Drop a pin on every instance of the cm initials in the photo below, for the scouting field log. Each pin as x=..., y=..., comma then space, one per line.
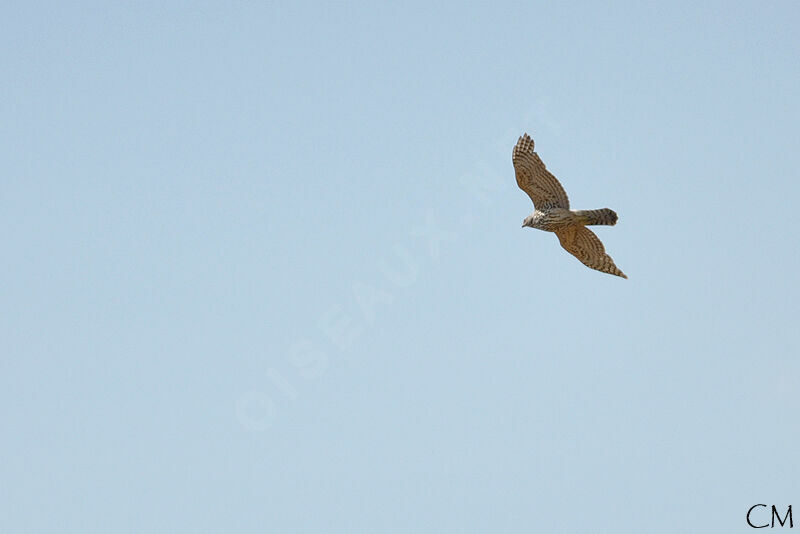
x=774, y=515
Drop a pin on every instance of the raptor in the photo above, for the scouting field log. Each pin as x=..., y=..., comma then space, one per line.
x=552, y=214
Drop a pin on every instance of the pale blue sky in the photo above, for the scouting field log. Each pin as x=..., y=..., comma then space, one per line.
x=263, y=268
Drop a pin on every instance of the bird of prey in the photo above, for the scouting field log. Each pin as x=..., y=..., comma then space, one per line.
x=552, y=214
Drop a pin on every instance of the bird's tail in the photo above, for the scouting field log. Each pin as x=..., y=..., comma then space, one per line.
x=604, y=216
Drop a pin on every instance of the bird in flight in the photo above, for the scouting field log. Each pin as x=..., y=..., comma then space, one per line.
x=552, y=214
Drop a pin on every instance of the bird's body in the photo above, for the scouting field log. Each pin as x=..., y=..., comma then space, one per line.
x=550, y=220
x=552, y=214
x=554, y=219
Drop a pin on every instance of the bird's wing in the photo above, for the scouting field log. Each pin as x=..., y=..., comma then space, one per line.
x=533, y=178
x=587, y=247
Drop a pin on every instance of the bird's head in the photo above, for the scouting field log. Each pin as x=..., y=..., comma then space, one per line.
x=528, y=221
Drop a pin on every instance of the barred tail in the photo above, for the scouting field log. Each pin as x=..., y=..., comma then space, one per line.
x=602, y=216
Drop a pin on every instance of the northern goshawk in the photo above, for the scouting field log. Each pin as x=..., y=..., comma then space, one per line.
x=552, y=214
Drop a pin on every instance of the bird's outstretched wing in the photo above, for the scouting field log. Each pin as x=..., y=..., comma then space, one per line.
x=533, y=178
x=587, y=247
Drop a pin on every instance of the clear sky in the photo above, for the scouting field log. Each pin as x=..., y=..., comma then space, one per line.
x=263, y=268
